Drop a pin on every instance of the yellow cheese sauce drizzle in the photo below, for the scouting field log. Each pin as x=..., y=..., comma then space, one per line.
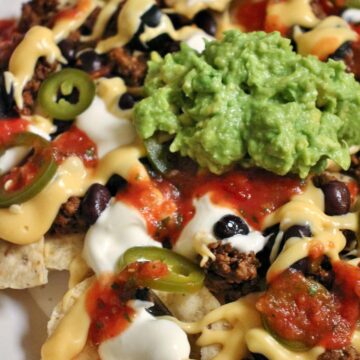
x=307, y=209
x=70, y=336
x=325, y=38
x=293, y=12
x=38, y=42
x=31, y=222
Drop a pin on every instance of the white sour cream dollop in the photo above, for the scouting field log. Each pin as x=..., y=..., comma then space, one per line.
x=147, y=338
x=119, y=227
x=205, y=217
x=105, y=129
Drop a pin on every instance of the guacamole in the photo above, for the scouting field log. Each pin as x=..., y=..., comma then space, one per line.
x=251, y=100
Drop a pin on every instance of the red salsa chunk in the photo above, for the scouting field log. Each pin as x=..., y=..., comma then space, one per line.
x=75, y=142
x=108, y=299
x=10, y=127
x=298, y=309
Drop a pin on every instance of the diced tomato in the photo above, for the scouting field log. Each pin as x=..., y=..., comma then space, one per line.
x=251, y=14
x=75, y=142
x=10, y=127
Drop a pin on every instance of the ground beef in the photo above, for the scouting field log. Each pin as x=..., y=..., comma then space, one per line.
x=42, y=71
x=69, y=219
x=38, y=12
x=130, y=67
x=232, y=273
x=348, y=353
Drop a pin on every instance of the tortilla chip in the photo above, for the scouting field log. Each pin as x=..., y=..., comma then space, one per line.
x=60, y=251
x=67, y=302
x=22, y=266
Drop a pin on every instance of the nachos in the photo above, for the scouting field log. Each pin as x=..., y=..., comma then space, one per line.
x=194, y=165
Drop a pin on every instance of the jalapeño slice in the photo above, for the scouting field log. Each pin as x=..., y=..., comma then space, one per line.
x=24, y=182
x=183, y=275
x=66, y=94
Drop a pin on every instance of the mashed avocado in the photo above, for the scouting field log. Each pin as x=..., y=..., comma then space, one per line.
x=250, y=100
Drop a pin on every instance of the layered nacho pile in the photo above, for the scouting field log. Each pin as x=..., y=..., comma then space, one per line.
x=194, y=166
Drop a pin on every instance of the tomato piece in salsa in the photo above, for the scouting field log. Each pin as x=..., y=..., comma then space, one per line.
x=107, y=301
x=75, y=142
x=251, y=14
x=10, y=127
x=298, y=309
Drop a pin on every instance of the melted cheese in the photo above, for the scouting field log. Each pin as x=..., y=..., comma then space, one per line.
x=102, y=20
x=79, y=271
x=260, y=341
x=292, y=12
x=128, y=23
x=325, y=38
x=70, y=336
x=65, y=25
x=239, y=317
x=38, y=42
x=307, y=208
x=31, y=222
x=190, y=7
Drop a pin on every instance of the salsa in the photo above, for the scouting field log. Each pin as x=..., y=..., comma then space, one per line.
x=301, y=310
x=75, y=142
x=108, y=299
x=10, y=127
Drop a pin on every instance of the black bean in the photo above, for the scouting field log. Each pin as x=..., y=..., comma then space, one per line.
x=299, y=231
x=159, y=308
x=7, y=104
x=179, y=21
x=337, y=198
x=205, y=20
x=152, y=17
x=95, y=202
x=115, y=183
x=89, y=61
x=256, y=356
x=230, y=225
x=163, y=44
x=68, y=49
x=126, y=101
x=61, y=126
x=342, y=51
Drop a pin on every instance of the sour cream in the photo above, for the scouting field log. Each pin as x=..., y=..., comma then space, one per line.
x=105, y=129
x=351, y=16
x=197, y=40
x=205, y=217
x=118, y=228
x=147, y=338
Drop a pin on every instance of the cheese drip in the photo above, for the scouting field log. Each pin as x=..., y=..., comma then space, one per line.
x=128, y=23
x=73, y=18
x=70, y=336
x=292, y=12
x=308, y=209
x=190, y=7
x=38, y=42
x=239, y=317
x=71, y=179
x=325, y=38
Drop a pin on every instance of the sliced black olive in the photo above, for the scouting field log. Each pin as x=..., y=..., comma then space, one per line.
x=152, y=17
x=205, y=20
x=89, y=61
x=126, y=101
x=342, y=51
x=337, y=198
x=95, y=202
x=159, y=308
x=230, y=225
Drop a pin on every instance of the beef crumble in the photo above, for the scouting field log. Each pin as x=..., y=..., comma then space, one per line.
x=232, y=272
x=38, y=12
x=348, y=353
x=69, y=219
